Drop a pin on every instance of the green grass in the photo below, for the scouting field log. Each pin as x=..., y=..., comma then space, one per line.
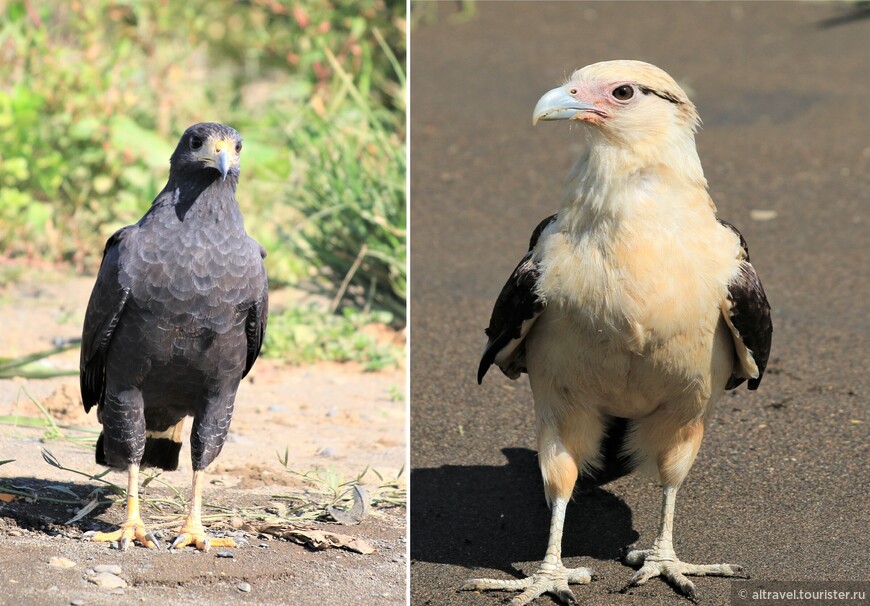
x=30, y=367
x=84, y=437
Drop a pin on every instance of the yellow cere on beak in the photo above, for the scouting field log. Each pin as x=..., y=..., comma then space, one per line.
x=221, y=153
x=223, y=157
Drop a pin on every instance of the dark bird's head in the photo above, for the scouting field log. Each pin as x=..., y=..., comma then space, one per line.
x=210, y=147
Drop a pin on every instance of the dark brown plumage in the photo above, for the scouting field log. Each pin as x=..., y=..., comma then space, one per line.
x=177, y=315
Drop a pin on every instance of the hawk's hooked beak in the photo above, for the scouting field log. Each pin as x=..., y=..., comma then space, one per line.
x=222, y=162
x=558, y=104
x=219, y=153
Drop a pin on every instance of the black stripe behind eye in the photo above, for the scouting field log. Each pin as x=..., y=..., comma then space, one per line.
x=661, y=95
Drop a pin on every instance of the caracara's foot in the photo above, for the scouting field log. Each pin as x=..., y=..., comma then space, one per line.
x=193, y=533
x=654, y=563
x=548, y=579
x=132, y=529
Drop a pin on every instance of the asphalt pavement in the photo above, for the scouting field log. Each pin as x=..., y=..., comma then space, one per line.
x=781, y=483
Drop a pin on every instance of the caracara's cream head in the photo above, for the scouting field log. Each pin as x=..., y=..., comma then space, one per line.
x=627, y=101
x=635, y=116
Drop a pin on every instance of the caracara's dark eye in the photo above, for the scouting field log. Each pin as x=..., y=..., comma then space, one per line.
x=195, y=142
x=623, y=93
x=238, y=146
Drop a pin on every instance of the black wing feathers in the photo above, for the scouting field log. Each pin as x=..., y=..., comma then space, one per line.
x=255, y=330
x=517, y=303
x=101, y=318
x=749, y=315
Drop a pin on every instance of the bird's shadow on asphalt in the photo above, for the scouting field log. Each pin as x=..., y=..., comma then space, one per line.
x=50, y=505
x=480, y=516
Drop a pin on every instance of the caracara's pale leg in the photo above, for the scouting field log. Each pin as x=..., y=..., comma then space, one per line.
x=133, y=527
x=551, y=577
x=193, y=533
x=662, y=561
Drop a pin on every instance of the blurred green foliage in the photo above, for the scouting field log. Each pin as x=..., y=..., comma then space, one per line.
x=94, y=95
x=305, y=335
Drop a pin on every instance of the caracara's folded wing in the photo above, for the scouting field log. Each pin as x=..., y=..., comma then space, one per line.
x=747, y=313
x=516, y=309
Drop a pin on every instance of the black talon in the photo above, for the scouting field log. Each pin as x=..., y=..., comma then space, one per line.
x=566, y=596
x=123, y=544
x=150, y=536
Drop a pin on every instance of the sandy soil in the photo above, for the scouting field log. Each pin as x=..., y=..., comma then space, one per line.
x=327, y=416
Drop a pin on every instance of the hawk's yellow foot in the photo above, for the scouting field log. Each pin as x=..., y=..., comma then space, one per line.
x=192, y=533
x=132, y=529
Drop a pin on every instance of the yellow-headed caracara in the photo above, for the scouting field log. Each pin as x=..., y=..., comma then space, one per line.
x=634, y=306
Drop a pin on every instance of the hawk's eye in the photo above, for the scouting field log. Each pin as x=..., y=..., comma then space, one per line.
x=238, y=146
x=195, y=142
x=623, y=93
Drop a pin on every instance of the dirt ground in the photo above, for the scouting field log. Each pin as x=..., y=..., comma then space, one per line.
x=327, y=416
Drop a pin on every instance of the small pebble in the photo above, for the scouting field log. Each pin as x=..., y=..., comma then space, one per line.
x=77, y=602
x=118, y=591
x=757, y=214
x=327, y=452
x=264, y=545
x=89, y=571
x=61, y=563
x=53, y=588
x=113, y=568
x=246, y=587
x=107, y=580
x=224, y=554
x=113, y=545
x=278, y=408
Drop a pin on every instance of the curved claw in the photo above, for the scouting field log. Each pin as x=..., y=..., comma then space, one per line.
x=182, y=538
x=150, y=536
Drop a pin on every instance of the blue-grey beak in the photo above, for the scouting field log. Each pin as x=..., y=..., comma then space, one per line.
x=557, y=104
x=222, y=163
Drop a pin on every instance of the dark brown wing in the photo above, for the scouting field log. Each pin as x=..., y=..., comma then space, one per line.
x=747, y=313
x=104, y=311
x=517, y=307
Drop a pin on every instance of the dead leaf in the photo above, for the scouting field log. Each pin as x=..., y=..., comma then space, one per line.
x=319, y=539
x=354, y=515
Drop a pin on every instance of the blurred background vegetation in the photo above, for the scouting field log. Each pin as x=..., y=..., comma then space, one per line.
x=95, y=94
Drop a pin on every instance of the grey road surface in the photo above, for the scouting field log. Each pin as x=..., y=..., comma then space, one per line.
x=781, y=482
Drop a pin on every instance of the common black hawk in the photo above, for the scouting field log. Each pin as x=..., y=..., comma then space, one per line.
x=174, y=323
